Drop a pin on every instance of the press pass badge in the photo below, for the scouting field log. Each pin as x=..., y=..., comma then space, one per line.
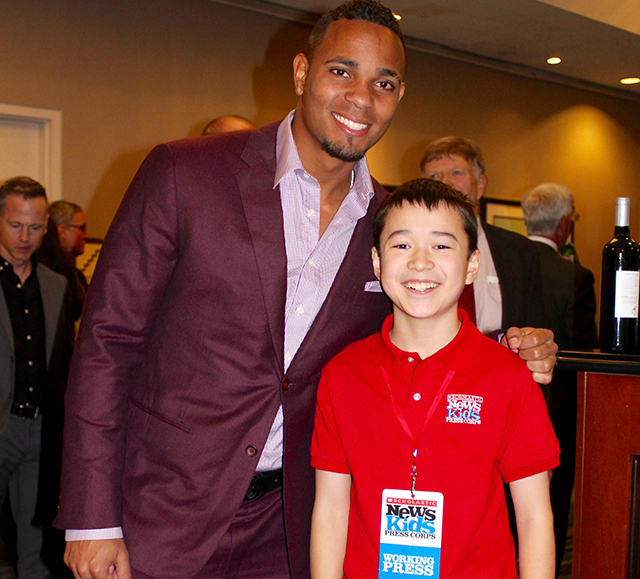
x=410, y=534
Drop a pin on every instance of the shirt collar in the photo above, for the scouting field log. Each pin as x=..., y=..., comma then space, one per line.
x=458, y=355
x=545, y=240
x=288, y=161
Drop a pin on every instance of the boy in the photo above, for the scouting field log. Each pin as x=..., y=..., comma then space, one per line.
x=432, y=414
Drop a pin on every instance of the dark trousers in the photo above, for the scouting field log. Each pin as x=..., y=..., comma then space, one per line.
x=253, y=546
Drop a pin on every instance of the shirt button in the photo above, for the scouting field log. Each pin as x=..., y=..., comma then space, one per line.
x=30, y=388
x=299, y=310
x=311, y=262
x=30, y=363
x=287, y=357
x=417, y=396
x=410, y=359
x=26, y=310
x=19, y=286
x=286, y=384
x=28, y=337
x=311, y=212
x=251, y=451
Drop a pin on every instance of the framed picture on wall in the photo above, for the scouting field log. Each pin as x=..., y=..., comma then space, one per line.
x=86, y=262
x=503, y=213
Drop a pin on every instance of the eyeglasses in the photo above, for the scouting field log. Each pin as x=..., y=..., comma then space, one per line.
x=82, y=227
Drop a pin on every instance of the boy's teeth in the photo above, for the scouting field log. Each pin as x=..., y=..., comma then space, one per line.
x=351, y=124
x=422, y=285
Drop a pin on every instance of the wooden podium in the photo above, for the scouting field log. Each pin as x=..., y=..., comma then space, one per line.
x=606, y=520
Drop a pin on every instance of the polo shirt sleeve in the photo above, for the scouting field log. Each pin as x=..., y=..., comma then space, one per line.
x=529, y=444
x=326, y=448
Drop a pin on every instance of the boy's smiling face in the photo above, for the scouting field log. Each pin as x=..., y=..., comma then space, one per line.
x=423, y=263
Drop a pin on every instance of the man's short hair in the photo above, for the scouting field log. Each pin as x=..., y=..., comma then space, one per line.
x=63, y=212
x=544, y=206
x=367, y=10
x=448, y=146
x=25, y=186
x=428, y=194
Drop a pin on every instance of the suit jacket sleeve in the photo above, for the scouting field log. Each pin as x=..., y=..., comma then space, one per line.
x=135, y=263
x=585, y=332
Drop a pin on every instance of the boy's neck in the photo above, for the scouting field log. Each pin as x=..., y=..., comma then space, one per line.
x=424, y=336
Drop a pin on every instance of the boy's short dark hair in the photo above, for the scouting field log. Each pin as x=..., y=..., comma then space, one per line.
x=367, y=10
x=429, y=194
x=25, y=186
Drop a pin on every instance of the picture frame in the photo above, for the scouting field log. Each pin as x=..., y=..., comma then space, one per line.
x=504, y=213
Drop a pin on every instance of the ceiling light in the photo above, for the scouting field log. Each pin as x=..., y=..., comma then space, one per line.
x=554, y=60
x=630, y=80
x=397, y=17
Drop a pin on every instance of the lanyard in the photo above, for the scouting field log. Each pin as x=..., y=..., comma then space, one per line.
x=405, y=425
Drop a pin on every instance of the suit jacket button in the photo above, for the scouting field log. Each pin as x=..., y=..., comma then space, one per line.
x=285, y=384
x=251, y=451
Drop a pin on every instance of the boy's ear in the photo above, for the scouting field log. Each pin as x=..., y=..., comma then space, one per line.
x=375, y=258
x=472, y=267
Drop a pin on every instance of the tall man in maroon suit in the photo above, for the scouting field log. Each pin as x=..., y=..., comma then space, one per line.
x=236, y=267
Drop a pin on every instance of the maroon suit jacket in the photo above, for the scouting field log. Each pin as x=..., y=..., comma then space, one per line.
x=178, y=370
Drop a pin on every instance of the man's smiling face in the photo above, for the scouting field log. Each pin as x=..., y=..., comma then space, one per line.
x=350, y=90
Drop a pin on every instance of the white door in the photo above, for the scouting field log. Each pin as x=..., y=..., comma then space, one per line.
x=30, y=145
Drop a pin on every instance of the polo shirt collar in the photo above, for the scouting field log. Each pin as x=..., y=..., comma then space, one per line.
x=458, y=355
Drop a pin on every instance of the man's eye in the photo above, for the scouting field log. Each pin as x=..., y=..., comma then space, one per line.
x=386, y=85
x=339, y=72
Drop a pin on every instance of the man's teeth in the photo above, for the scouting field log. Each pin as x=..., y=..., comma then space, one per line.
x=421, y=285
x=353, y=126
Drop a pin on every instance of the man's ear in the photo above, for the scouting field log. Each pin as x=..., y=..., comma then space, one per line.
x=482, y=185
x=375, y=258
x=300, y=71
x=60, y=228
x=472, y=267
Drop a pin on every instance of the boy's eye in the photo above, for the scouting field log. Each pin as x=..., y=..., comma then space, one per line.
x=442, y=246
x=401, y=245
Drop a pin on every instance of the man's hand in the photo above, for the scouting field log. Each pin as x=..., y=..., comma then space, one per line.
x=536, y=347
x=105, y=559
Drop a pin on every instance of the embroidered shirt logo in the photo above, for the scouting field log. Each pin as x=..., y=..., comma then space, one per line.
x=464, y=408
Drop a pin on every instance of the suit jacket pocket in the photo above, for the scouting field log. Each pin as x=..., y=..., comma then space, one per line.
x=159, y=415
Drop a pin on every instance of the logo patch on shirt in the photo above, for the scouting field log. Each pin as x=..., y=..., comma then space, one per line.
x=464, y=408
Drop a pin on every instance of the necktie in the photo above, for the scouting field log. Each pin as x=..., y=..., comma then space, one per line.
x=468, y=303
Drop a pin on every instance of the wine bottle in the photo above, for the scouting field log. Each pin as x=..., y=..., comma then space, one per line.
x=619, y=289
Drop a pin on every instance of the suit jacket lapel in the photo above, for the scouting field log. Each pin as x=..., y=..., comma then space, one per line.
x=51, y=305
x=5, y=320
x=355, y=270
x=263, y=212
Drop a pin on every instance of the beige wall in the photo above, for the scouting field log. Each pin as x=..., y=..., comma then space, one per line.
x=128, y=74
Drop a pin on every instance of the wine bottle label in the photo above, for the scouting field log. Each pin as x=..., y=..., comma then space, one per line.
x=627, y=284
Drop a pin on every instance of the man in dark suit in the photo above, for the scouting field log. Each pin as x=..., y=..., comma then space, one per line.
x=508, y=289
x=570, y=309
x=33, y=329
x=236, y=267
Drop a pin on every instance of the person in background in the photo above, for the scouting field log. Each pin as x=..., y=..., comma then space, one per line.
x=35, y=348
x=227, y=124
x=237, y=265
x=508, y=289
x=570, y=310
x=62, y=244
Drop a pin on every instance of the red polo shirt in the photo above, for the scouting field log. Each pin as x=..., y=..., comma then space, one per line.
x=491, y=423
